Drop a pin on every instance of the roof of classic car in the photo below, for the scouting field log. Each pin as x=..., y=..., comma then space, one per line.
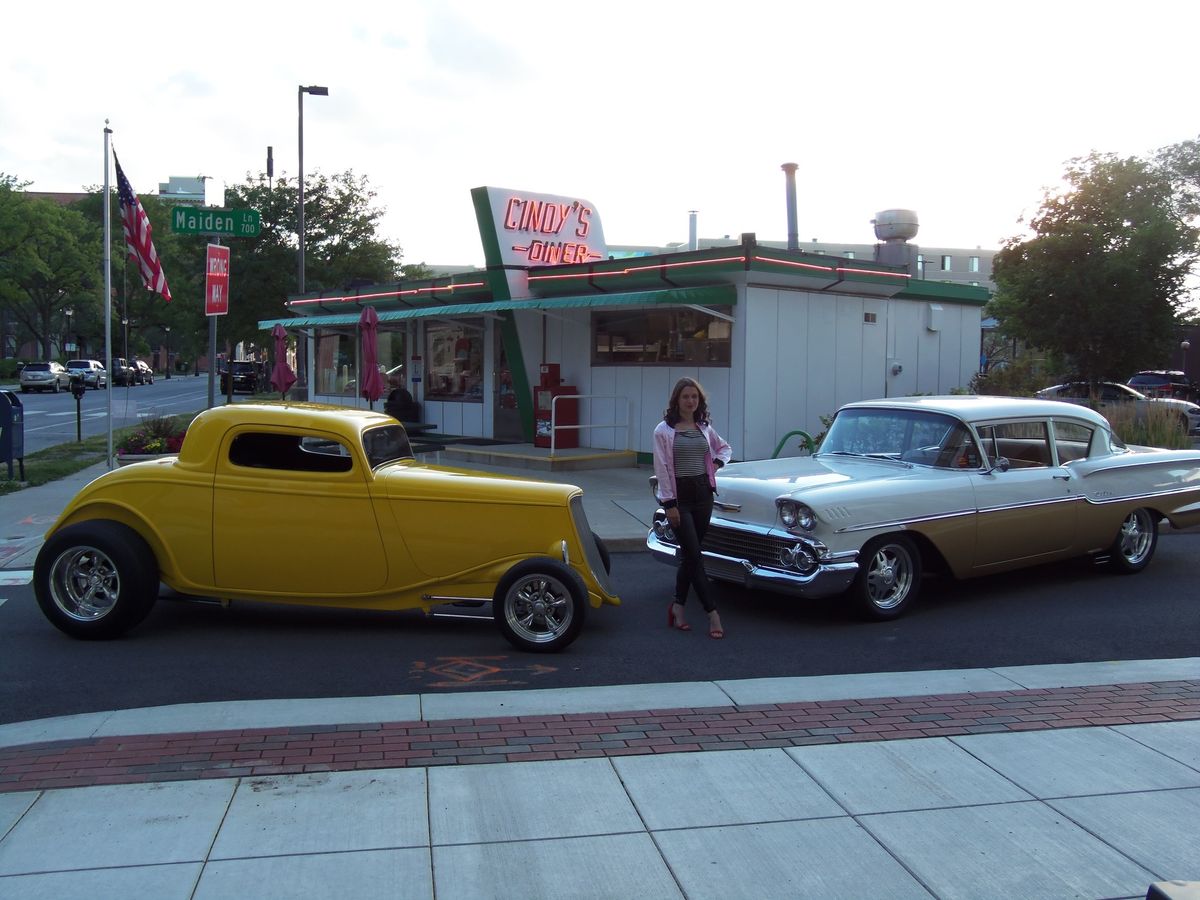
x=207, y=428
x=971, y=407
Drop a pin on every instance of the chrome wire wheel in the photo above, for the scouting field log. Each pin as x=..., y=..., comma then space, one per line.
x=1135, y=542
x=84, y=583
x=538, y=608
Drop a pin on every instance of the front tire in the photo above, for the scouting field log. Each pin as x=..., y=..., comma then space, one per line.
x=889, y=577
x=95, y=580
x=540, y=605
x=1135, y=543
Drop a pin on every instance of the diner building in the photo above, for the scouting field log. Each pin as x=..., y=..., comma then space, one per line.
x=778, y=337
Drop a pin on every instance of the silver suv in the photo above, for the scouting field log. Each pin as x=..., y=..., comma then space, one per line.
x=44, y=376
x=91, y=371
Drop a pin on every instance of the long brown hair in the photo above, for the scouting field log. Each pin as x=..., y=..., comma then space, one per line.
x=672, y=416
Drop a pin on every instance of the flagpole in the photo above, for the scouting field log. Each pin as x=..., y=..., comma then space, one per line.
x=108, y=359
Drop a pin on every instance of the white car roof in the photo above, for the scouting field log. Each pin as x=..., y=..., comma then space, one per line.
x=975, y=408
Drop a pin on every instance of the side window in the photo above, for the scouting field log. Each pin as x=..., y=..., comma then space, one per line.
x=1026, y=445
x=289, y=452
x=958, y=450
x=1072, y=440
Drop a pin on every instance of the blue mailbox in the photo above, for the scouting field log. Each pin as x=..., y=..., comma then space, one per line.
x=12, y=432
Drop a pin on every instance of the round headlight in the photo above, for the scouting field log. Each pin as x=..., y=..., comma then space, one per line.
x=788, y=513
x=805, y=517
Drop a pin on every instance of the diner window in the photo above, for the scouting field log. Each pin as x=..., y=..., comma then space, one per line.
x=454, y=362
x=334, y=361
x=663, y=336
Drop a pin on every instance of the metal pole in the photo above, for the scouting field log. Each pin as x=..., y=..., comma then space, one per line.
x=212, y=353
x=108, y=296
x=300, y=189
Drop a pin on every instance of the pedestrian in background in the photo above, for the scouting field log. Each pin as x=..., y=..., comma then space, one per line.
x=687, y=453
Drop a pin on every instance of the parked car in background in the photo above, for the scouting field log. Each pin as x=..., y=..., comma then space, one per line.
x=91, y=371
x=44, y=376
x=1107, y=394
x=1164, y=383
x=962, y=485
x=142, y=373
x=365, y=525
x=122, y=373
x=245, y=376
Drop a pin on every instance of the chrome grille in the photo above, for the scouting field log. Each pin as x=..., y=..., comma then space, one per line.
x=759, y=549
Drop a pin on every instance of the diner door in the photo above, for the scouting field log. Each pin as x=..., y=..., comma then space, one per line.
x=506, y=415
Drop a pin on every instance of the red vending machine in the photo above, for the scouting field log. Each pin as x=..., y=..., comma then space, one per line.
x=566, y=411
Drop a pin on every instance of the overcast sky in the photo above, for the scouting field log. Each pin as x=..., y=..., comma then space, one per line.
x=962, y=111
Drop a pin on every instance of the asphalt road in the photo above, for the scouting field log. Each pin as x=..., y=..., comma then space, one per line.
x=52, y=419
x=188, y=652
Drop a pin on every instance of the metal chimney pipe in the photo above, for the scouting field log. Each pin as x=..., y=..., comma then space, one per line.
x=693, y=243
x=789, y=170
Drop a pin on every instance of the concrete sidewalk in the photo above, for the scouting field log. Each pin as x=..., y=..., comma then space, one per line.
x=1037, y=781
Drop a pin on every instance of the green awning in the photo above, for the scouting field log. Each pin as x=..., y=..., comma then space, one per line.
x=711, y=295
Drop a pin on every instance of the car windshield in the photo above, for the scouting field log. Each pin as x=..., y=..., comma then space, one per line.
x=385, y=444
x=907, y=434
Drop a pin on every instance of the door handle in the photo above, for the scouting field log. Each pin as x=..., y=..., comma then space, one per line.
x=1061, y=476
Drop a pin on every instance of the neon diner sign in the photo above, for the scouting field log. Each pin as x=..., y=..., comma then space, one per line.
x=545, y=229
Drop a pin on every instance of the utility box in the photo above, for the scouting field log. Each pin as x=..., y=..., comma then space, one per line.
x=566, y=412
x=12, y=432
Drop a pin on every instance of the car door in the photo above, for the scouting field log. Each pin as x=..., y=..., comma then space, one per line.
x=1027, y=511
x=292, y=515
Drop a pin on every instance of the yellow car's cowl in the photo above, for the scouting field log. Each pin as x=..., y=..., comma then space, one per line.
x=303, y=503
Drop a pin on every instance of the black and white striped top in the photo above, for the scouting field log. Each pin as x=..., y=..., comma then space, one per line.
x=690, y=449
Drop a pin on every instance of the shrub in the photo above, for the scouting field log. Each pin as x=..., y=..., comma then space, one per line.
x=156, y=434
x=1159, y=427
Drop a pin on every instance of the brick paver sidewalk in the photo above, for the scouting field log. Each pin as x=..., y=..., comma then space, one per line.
x=326, y=748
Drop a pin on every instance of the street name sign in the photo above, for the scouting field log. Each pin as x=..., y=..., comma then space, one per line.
x=223, y=222
x=216, y=281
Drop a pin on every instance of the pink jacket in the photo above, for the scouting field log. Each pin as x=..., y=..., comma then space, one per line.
x=719, y=452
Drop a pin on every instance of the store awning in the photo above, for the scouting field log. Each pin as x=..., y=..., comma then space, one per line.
x=709, y=295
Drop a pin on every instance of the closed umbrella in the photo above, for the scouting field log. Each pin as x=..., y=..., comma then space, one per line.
x=282, y=376
x=371, y=378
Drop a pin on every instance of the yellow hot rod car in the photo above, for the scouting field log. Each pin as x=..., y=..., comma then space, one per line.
x=320, y=505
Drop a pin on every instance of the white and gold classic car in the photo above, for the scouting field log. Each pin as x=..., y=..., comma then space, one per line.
x=326, y=506
x=961, y=485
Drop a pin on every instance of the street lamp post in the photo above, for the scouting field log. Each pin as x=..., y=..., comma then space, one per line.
x=167, y=328
x=317, y=91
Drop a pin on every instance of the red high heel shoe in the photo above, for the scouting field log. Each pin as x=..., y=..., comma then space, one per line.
x=671, y=619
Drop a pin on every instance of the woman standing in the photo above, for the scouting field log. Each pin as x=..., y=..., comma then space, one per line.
x=687, y=453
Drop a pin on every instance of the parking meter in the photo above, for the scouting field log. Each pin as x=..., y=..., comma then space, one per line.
x=78, y=389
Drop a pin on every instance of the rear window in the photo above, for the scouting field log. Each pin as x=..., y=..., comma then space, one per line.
x=79, y=364
x=37, y=367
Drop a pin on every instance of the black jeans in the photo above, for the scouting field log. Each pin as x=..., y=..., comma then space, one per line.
x=695, y=500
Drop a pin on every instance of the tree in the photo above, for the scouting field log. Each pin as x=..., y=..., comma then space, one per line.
x=48, y=266
x=1101, y=284
x=342, y=247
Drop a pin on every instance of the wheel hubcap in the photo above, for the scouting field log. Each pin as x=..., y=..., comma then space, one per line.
x=84, y=584
x=539, y=608
x=1135, y=536
x=889, y=578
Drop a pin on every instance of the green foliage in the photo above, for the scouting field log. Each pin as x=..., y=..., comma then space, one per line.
x=1021, y=378
x=1158, y=427
x=1101, y=283
x=156, y=434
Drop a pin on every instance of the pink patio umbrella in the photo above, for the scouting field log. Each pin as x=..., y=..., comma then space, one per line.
x=370, y=378
x=282, y=376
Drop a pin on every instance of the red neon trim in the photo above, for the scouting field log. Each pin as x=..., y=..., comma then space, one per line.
x=873, y=272
x=632, y=269
x=793, y=263
x=411, y=292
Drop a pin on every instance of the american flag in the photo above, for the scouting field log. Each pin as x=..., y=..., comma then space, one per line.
x=138, y=238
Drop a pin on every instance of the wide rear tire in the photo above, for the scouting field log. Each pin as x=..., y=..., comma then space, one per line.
x=889, y=577
x=95, y=580
x=540, y=605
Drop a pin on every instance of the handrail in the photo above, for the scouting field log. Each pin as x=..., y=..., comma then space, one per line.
x=808, y=443
x=554, y=427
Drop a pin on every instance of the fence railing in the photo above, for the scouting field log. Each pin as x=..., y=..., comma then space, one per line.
x=555, y=427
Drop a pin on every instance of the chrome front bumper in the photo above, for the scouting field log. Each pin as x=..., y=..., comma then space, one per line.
x=832, y=574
